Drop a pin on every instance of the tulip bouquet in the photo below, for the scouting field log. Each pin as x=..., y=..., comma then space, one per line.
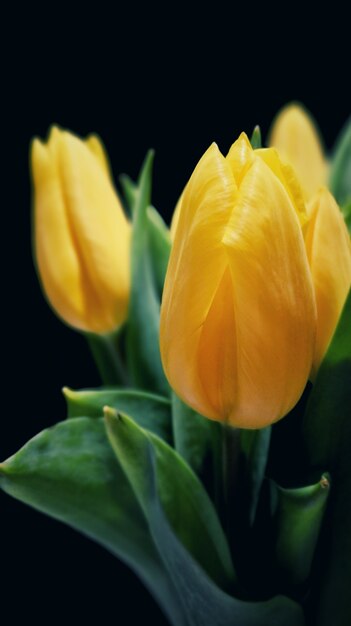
x=205, y=336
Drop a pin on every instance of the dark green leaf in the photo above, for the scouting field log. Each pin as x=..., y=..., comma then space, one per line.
x=204, y=603
x=244, y=459
x=156, y=470
x=106, y=351
x=340, y=173
x=211, y=450
x=148, y=410
x=130, y=191
x=180, y=515
x=254, y=448
x=71, y=473
x=327, y=441
x=160, y=245
x=346, y=211
x=205, y=444
x=297, y=519
x=143, y=352
x=159, y=235
x=195, y=438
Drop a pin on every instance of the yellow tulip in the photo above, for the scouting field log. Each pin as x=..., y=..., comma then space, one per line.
x=175, y=217
x=296, y=138
x=82, y=237
x=238, y=313
x=329, y=253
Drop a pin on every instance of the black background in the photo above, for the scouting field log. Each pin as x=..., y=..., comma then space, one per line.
x=175, y=87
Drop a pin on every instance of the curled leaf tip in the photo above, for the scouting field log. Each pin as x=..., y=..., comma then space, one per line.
x=68, y=392
x=150, y=155
x=110, y=413
x=325, y=481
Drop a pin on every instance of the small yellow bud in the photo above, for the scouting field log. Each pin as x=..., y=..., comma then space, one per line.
x=329, y=253
x=82, y=236
x=296, y=138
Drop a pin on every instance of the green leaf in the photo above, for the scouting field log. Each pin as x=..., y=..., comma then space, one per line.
x=106, y=351
x=148, y=410
x=231, y=465
x=346, y=211
x=156, y=470
x=254, y=448
x=160, y=239
x=160, y=245
x=130, y=190
x=180, y=517
x=243, y=459
x=204, y=603
x=70, y=472
x=327, y=441
x=340, y=172
x=297, y=518
x=196, y=438
x=143, y=352
x=256, y=139
x=210, y=449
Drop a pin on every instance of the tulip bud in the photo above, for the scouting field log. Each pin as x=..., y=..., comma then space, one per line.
x=329, y=253
x=296, y=138
x=82, y=237
x=238, y=314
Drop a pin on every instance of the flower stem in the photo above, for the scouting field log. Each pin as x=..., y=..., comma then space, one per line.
x=107, y=356
x=226, y=475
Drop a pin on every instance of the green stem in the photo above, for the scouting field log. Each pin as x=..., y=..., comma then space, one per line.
x=227, y=475
x=106, y=353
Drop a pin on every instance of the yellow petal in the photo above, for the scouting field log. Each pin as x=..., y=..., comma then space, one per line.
x=296, y=138
x=175, y=217
x=217, y=352
x=195, y=271
x=287, y=177
x=273, y=300
x=57, y=259
x=329, y=254
x=100, y=229
x=240, y=157
x=96, y=146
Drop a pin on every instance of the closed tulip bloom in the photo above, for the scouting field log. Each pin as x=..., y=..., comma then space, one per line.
x=296, y=138
x=82, y=237
x=238, y=314
x=329, y=254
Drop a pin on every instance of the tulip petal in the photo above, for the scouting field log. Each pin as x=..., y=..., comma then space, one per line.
x=196, y=267
x=273, y=300
x=217, y=350
x=57, y=260
x=101, y=230
x=175, y=217
x=287, y=177
x=95, y=145
x=297, y=140
x=240, y=157
x=329, y=253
